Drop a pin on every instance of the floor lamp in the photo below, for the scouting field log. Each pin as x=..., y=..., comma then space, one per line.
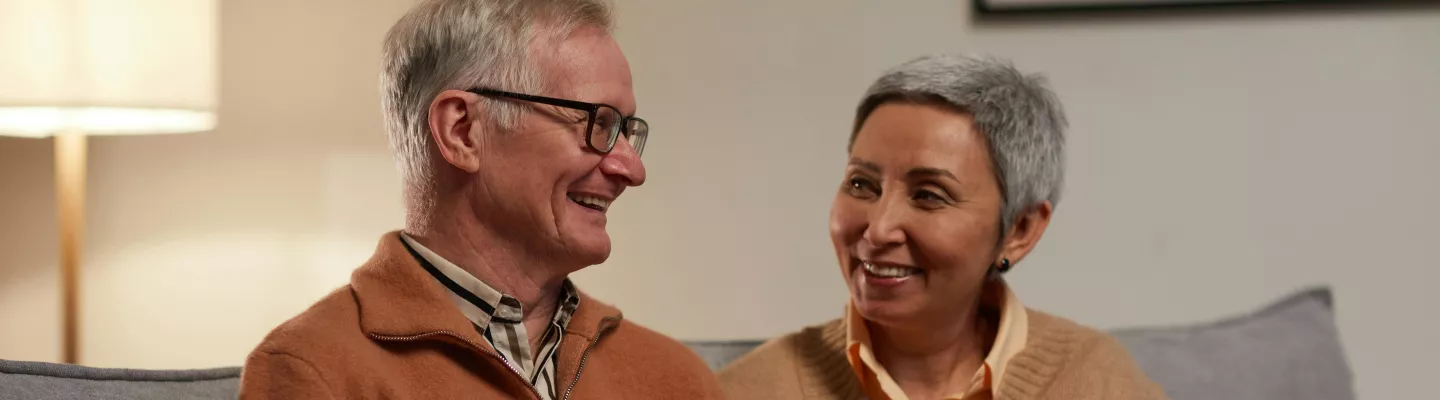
x=72, y=68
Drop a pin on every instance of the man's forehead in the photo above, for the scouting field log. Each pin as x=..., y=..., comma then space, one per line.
x=586, y=65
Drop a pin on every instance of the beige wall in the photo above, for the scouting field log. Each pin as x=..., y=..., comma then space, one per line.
x=1218, y=161
x=198, y=244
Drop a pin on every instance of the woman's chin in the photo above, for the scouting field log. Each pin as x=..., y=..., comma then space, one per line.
x=887, y=311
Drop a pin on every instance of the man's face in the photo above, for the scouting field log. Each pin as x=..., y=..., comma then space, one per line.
x=540, y=185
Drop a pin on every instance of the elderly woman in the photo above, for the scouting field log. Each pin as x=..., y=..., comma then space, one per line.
x=955, y=167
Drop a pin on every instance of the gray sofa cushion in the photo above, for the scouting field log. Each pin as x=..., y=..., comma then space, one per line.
x=718, y=353
x=1288, y=350
x=35, y=380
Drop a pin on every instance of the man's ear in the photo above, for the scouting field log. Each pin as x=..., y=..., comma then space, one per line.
x=454, y=115
x=1025, y=232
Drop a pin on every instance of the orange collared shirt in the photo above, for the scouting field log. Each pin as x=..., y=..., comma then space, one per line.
x=1009, y=340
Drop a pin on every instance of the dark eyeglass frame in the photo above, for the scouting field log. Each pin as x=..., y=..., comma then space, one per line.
x=593, y=110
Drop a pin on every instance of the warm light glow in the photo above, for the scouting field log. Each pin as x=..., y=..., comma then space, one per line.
x=107, y=66
x=44, y=121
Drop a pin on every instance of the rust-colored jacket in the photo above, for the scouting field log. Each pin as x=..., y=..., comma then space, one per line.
x=392, y=334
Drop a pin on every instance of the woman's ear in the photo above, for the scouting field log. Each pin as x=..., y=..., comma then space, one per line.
x=1025, y=232
x=454, y=117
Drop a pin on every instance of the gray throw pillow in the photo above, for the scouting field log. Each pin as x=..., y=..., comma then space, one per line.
x=1289, y=350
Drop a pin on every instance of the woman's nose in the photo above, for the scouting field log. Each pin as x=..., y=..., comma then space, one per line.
x=885, y=225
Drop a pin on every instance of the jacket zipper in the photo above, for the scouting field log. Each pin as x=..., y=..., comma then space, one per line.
x=497, y=356
x=605, y=325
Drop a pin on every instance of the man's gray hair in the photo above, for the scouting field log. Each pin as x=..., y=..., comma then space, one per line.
x=462, y=44
x=1021, y=118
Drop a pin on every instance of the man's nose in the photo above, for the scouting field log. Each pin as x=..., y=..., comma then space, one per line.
x=624, y=162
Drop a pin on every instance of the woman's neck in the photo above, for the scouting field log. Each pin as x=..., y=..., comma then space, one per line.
x=937, y=358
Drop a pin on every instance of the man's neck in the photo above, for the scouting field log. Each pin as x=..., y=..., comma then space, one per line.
x=494, y=261
x=936, y=359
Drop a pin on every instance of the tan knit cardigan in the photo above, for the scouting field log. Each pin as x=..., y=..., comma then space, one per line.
x=1061, y=360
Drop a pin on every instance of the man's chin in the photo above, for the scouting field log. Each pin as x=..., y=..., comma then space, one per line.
x=587, y=251
x=594, y=258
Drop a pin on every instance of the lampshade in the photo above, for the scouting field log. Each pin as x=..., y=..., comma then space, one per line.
x=102, y=67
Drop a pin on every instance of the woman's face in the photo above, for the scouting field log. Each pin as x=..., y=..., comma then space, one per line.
x=916, y=221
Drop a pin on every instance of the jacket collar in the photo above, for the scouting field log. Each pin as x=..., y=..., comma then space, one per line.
x=397, y=298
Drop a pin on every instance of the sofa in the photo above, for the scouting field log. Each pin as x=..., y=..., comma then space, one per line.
x=1288, y=350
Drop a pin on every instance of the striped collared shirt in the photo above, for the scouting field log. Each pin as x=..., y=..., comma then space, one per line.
x=498, y=317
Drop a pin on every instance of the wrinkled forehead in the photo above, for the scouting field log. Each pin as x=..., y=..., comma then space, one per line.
x=586, y=65
x=905, y=135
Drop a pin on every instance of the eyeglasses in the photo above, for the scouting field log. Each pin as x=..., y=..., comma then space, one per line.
x=604, y=125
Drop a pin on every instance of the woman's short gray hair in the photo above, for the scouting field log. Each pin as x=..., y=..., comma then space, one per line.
x=462, y=44
x=1021, y=118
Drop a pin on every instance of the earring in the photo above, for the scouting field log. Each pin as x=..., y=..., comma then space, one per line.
x=997, y=270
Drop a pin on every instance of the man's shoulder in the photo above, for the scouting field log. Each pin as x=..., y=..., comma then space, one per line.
x=632, y=342
x=642, y=341
x=634, y=357
x=321, y=329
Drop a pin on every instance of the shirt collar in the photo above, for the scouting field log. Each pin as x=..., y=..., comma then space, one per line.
x=1010, y=338
x=397, y=298
x=1012, y=333
x=479, y=302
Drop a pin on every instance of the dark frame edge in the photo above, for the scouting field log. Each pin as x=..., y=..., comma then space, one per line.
x=983, y=8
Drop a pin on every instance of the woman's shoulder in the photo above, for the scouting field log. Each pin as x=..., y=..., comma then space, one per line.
x=1062, y=337
x=1080, y=361
x=1048, y=325
x=790, y=365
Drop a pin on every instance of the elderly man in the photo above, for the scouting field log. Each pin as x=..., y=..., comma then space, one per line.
x=512, y=122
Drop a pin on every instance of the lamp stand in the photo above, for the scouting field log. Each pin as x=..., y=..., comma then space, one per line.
x=70, y=201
